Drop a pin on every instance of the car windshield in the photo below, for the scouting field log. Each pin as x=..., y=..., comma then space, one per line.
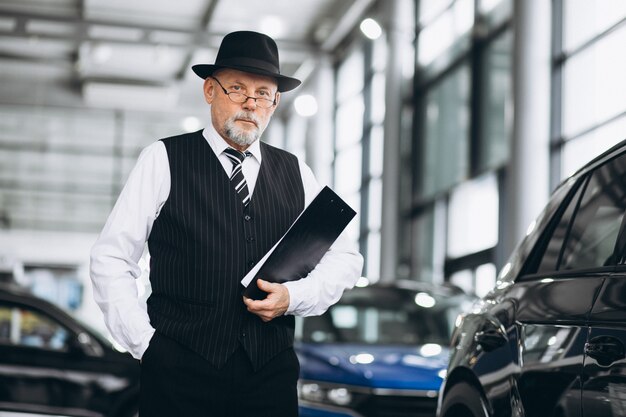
x=386, y=316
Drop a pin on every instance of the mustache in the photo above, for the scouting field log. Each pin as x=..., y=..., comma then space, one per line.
x=247, y=116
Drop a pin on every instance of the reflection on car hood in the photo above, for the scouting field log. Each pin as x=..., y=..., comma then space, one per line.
x=393, y=367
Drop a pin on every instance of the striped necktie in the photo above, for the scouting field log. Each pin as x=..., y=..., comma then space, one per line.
x=236, y=176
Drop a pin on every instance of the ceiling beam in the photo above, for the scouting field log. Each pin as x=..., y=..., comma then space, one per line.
x=204, y=25
x=60, y=224
x=51, y=190
x=208, y=15
x=139, y=34
x=65, y=60
x=348, y=21
x=65, y=149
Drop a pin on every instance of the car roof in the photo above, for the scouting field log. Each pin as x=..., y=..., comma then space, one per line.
x=12, y=288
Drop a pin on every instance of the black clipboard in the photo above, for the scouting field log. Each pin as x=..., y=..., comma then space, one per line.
x=305, y=243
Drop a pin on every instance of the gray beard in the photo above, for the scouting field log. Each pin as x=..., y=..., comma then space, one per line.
x=239, y=136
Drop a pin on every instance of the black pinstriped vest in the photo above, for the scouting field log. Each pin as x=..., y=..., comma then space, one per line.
x=204, y=242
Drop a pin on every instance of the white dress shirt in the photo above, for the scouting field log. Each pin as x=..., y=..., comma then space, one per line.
x=115, y=255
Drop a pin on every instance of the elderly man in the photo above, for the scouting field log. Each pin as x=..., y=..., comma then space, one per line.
x=209, y=205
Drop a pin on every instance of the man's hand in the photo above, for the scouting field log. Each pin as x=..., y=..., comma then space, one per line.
x=274, y=305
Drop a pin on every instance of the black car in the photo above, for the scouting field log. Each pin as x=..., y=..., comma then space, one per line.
x=550, y=339
x=50, y=364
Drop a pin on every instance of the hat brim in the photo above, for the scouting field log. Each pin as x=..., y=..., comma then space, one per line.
x=284, y=83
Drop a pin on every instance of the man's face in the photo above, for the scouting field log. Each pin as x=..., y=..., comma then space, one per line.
x=240, y=124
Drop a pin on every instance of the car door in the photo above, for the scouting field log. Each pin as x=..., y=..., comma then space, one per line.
x=556, y=299
x=586, y=267
x=44, y=368
x=604, y=389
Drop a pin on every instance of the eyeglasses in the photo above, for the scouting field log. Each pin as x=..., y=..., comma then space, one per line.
x=240, y=98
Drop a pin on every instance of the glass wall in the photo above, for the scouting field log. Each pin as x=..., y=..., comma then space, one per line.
x=349, y=115
x=359, y=142
x=445, y=146
x=461, y=141
x=464, y=118
x=589, y=62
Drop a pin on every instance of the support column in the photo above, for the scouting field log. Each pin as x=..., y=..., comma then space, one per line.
x=319, y=145
x=400, y=30
x=527, y=177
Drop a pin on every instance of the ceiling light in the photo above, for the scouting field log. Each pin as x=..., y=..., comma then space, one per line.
x=102, y=53
x=7, y=24
x=306, y=105
x=190, y=124
x=115, y=33
x=50, y=28
x=272, y=26
x=371, y=28
x=129, y=96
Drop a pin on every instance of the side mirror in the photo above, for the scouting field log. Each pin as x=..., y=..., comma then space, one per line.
x=75, y=347
x=84, y=345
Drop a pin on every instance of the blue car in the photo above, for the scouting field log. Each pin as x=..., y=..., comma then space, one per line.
x=382, y=351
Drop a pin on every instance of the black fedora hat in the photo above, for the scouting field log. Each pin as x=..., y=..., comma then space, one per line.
x=249, y=52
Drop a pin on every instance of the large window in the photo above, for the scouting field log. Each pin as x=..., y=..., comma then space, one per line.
x=497, y=104
x=473, y=216
x=461, y=140
x=446, y=27
x=589, y=69
x=349, y=133
x=445, y=160
x=359, y=143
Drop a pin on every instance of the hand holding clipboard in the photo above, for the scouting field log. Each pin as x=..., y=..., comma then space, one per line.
x=303, y=245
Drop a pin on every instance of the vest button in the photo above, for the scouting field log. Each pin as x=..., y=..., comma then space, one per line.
x=251, y=264
x=247, y=217
x=250, y=239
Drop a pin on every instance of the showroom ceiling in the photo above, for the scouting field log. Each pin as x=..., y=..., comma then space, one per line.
x=137, y=54
x=81, y=82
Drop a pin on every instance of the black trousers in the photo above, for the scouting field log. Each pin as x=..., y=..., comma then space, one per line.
x=177, y=382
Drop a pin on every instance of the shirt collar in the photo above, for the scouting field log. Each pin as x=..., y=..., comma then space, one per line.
x=218, y=144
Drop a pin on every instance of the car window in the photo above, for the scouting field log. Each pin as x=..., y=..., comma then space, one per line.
x=386, y=317
x=29, y=328
x=591, y=240
x=552, y=251
x=521, y=257
x=588, y=240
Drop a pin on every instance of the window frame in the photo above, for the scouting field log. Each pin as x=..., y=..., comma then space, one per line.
x=536, y=254
x=489, y=27
x=72, y=335
x=94, y=345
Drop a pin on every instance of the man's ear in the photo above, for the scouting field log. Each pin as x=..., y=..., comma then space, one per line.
x=209, y=90
x=277, y=100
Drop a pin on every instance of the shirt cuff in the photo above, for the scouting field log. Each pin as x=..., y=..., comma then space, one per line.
x=299, y=295
x=144, y=344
